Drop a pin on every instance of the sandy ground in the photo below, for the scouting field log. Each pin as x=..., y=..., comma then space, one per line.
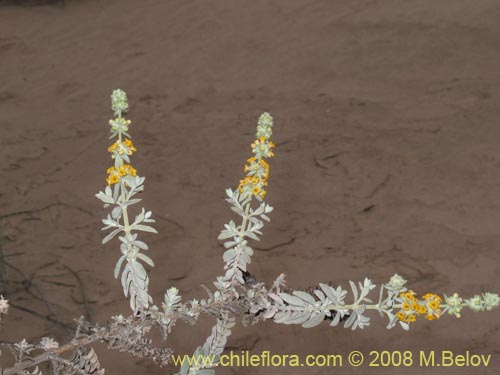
x=388, y=159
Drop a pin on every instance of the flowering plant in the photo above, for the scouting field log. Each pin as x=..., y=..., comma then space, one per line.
x=235, y=292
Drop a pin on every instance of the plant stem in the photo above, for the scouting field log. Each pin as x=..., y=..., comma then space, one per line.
x=126, y=223
x=241, y=236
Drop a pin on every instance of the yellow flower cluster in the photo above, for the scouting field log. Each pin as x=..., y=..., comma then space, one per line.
x=125, y=147
x=411, y=307
x=258, y=167
x=257, y=171
x=257, y=175
x=114, y=174
x=433, y=304
x=263, y=146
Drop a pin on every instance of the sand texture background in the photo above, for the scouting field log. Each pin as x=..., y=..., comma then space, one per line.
x=387, y=125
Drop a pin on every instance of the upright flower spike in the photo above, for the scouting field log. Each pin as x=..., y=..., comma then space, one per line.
x=126, y=184
x=257, y=168
x=431, y=306
x=121, y=150
x=239, y=253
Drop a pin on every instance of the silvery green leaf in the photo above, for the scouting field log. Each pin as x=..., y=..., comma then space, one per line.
x=229, y=244
x=304, y=296
x=239, y=277
x=298, y=317
x=124, y=248
x=116, y=213
x=381, y=295
x=315, y=319
x=146, y=259
x=172, y=296
x=110, y=236
x=257, y=211
x=336, y=320
x=244, y=257
x=361, y=309
x=105, y=198
x=206, y=371
x=140, y=218
x=229, y=255
x=367, y=283
x=141, y=296
x=291, y=300
x=354, y=290
x=404, y=325
x=362, y=322
x=172, y=300
x=244, y=197
x=343, y=313
x=292, y=317
x=320, y=295
x=225, y=234
x=125, y=283
x=144, y=228
x=132, y=201
x=268, y=314
x=116, y=192
x=238, y=210
x=134, y=192
x=247, y=250
x=275, y=297
x=119, y=265
x=352, y=318
x=139, y=270
x=366, y=287
x=281, y=316
x=393, y=319
x=341, y=294
x=256, y=229
x=252, y=235
x=355, y=324
x=140, y=245
x=229, y=274
x=110, y=222
x=131, y=182
x=256, y=224
x=330, y=293
x=184, y=368
x=242, y=264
